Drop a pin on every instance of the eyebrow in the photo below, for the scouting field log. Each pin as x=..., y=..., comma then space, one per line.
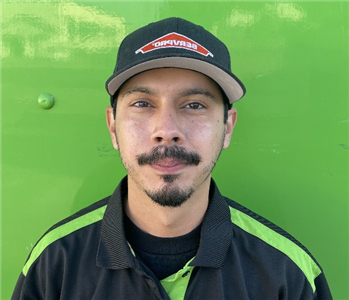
x=185, y=93
x=138, y=89
x=198, y=91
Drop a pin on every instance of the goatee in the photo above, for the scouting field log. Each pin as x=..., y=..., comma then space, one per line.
x=169, y=195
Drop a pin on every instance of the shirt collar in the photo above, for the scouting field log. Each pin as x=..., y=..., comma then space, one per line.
x=114, y=252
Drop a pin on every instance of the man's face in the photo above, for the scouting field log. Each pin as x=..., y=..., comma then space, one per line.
x=169, y=129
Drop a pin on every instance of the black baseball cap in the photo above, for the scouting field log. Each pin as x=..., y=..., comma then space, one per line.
x=175, y=43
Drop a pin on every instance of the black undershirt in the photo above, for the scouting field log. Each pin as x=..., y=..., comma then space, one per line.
x=163, y=256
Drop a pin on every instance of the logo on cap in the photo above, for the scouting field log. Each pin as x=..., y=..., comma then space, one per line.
x=174, y=40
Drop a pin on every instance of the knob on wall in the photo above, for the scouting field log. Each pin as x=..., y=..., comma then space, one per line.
x=46, y=101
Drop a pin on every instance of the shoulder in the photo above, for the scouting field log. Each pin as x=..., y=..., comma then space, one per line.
x=82, y=219
x=275, y=238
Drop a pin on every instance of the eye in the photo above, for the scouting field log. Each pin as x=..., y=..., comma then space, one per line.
x=141, y=104
x=195, y=105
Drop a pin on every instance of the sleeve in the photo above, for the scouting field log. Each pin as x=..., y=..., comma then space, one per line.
x=322, y=289
x=42, y=280
x=29, y=287
x=18, y=288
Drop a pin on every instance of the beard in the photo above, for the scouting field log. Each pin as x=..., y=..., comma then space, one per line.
x=170, y=194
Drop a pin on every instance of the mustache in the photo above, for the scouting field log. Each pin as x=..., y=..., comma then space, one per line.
x=161, y=152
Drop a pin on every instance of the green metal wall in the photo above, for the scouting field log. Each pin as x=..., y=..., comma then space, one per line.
x=289, y=156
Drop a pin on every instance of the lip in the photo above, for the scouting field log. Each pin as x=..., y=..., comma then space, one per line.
x=169, y=166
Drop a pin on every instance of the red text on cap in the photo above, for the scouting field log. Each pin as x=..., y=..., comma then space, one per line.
x=174, y=40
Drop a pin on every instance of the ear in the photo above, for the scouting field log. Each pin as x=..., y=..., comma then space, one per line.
x=111, y=126
x=229, y=126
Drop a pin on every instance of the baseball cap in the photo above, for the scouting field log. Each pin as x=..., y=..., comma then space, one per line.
x=175, y=43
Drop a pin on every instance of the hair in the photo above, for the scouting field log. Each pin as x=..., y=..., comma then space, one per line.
x=226, y=103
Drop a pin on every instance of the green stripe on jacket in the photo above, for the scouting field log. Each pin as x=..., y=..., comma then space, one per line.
x=61, y=231
x=301, y=258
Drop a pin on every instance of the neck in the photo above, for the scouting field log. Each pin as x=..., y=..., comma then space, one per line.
x=163, y=221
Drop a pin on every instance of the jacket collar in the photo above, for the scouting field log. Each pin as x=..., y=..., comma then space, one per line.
x=115, y=253
x=216, y=232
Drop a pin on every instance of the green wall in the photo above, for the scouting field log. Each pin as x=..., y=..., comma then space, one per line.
x=289, y=156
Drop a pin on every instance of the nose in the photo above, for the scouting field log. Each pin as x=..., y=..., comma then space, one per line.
x=167, y=128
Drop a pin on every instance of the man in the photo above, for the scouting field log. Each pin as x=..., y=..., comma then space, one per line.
x=167, y=232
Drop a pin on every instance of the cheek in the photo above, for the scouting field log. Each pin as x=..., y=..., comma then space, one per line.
x=211, y=132
x=131, y=135
x=208, y=141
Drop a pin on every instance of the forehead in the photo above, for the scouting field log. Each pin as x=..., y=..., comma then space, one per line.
x=171, y=80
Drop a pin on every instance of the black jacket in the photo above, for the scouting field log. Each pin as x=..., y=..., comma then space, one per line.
x=241, y=256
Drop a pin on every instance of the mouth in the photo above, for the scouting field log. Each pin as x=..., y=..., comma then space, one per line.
x=169, y=165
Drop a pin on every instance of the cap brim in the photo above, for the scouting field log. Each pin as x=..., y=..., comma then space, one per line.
x=230, y=84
